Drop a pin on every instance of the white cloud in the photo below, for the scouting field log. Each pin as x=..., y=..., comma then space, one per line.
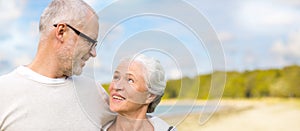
x=20, y=45
x=33, y=30
x=10, y=31
x=261, y=15
x=10, y=10
x=288, y=52
x=289, y=2
x=174, y=74
x=22, y=60
x=225, y=36
x=114, y=34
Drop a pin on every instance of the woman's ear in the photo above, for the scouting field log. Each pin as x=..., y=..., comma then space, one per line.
x=150, y=98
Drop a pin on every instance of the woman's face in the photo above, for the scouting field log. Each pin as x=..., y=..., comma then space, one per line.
x=128, y=91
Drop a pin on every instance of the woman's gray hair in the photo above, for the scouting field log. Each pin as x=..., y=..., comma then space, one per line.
x=73, y=12
x=154, y=78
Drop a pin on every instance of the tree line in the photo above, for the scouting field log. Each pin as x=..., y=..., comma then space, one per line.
x=283, y=82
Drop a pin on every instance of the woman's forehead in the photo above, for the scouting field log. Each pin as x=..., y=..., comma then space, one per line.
x=130, y=68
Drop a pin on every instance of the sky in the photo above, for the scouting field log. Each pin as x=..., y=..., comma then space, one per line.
x=189, y=37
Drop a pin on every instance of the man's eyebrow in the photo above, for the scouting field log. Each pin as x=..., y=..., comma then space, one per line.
x=117, y=72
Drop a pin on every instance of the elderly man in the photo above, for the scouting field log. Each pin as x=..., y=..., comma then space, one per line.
x=42, y=95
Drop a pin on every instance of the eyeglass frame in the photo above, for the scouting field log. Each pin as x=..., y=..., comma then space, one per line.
x=94, y=42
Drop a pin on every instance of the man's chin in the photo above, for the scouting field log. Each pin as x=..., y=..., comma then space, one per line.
x=77, y=71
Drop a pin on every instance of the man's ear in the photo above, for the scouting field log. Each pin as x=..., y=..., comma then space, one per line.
x=60, y=31
x=150, y=98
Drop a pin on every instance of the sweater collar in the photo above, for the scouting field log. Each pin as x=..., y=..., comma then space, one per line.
x=30, y=74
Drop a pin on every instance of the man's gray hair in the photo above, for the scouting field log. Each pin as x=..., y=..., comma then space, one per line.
x=73, y=12
x=154, y=77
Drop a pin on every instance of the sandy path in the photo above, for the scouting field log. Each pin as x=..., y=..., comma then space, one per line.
x=256, y=115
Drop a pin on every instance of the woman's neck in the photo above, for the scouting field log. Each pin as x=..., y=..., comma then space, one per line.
x=123, y=123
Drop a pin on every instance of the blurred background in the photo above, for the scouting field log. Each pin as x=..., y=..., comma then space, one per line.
x=261, y=47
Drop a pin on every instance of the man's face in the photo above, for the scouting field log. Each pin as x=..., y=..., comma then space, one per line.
x=83, y=49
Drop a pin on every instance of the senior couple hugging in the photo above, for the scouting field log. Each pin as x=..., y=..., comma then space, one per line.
x=41, y=96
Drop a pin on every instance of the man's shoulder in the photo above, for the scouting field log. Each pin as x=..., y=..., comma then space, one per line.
x=93, y=98
x=7, y=74
x=88, y=82
x=8, y=78
x=82, y=78
x=12, y=75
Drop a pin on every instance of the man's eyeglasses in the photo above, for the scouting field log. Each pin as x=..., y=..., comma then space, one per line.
x=94, y=42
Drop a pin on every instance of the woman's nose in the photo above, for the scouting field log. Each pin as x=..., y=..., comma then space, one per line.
x=119, y=85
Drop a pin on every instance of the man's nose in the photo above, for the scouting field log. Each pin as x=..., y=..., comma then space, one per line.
x=93, y=51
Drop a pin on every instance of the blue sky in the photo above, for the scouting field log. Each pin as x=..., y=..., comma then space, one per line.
x=254, y=34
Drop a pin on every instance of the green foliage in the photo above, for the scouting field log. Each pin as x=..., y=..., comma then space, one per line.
x=288, y=84
x=105, y=86
x=258, y=83
x=172, y=89
x=235, y=85
x=205, y=82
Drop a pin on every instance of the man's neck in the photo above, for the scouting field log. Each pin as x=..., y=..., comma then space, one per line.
x=45, y=67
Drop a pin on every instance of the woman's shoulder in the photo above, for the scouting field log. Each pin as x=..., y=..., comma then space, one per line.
x=159, y=124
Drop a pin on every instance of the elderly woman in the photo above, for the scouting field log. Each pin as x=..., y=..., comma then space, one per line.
x=136, y=89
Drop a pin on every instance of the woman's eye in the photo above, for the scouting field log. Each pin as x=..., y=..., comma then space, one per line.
x=130, y=81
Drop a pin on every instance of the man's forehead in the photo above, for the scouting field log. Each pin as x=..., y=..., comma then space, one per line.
x=91, y=27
